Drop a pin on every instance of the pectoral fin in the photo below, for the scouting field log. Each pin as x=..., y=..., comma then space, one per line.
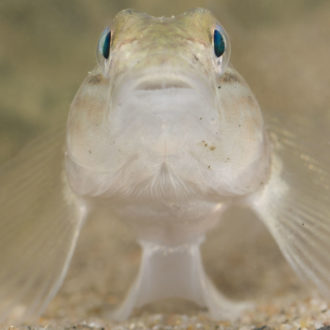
x=295, y=205
x=40, y=221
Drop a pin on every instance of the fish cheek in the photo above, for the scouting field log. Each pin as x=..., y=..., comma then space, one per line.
x=87, y=117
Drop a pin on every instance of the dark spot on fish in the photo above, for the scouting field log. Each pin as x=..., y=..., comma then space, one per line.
x=196, y=58
x=200, y=118
x=94, y=80
x=212, y=148
x=250, y=101
x=209, y=166
x=219, y=86
x=90, y=151
x=230, y=78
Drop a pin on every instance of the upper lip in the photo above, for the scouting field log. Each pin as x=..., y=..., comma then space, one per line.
x=158, y=83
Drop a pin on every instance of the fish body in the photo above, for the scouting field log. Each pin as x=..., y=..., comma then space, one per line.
x=165, y=134
x=175, y=136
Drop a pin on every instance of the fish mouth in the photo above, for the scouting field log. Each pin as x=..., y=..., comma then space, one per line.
x=162, y=83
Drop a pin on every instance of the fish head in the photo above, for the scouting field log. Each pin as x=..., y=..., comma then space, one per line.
x=165, y=99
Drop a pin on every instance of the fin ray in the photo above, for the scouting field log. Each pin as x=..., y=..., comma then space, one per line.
x=40, y=220
x=295, y=206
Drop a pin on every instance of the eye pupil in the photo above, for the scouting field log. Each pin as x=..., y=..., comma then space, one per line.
x=219, y=43
x=106, y=45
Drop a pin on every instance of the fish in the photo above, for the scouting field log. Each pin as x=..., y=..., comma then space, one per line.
x=165, y=135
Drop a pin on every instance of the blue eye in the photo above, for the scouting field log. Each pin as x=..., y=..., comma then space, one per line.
x=219, y=43
x=104, y=43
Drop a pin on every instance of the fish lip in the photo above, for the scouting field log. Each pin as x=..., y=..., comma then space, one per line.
x=160, y=82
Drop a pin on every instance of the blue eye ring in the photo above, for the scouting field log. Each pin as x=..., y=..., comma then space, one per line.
x=104, y=43
x=218, y=43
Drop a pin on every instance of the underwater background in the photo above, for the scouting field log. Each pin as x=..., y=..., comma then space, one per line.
x=282, y=49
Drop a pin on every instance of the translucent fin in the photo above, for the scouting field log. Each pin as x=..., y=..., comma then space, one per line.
x=39, y=226
x=176, y=272
x=295, y=206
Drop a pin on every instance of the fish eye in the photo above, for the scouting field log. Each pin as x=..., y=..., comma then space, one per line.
x=220, y=48
x=103, y=47
x=104, y=43
x=218, y=43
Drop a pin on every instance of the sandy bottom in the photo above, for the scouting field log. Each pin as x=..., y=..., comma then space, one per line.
x=245, y=267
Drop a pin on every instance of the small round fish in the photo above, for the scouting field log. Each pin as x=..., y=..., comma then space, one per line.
x=168, y=135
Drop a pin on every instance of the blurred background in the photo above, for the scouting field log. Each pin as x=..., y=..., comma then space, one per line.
x=282, y=48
